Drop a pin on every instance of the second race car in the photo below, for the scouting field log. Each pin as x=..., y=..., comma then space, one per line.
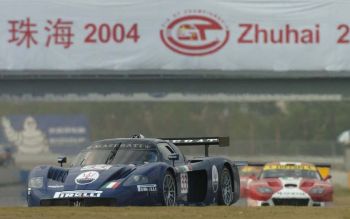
x=290, y=183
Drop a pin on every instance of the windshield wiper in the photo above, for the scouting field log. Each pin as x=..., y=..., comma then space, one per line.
x=112, y=153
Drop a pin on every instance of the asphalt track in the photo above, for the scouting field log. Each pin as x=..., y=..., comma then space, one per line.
x=340, y=209
x=12, y=195
x=176, y=213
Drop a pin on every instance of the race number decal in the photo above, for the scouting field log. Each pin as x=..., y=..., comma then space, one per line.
x=184, y=183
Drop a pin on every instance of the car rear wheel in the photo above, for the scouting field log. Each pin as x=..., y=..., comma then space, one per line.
x=169, y=190
x=225, y=192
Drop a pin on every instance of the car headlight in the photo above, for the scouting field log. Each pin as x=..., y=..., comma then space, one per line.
x=264, y=190
x=317, y=190
x=36, y=182
x=136, y=180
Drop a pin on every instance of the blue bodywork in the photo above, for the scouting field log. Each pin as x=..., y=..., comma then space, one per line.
x=131, y=184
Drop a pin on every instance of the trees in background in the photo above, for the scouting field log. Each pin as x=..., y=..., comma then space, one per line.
x=271, y=128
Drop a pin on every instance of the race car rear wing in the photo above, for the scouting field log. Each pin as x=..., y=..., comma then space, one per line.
x=200, y=141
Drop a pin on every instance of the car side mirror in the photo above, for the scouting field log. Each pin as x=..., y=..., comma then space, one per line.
x=173, y=157
x=61, y=160
x=327, y=178
x=253, y=177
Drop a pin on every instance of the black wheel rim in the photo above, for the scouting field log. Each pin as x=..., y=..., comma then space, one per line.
x=169, y=190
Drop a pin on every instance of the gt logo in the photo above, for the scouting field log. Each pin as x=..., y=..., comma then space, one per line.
x=195, y=33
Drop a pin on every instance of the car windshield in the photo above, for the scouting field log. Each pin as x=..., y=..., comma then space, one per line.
x=249, y=171
x=295, y=173
x=121, y=156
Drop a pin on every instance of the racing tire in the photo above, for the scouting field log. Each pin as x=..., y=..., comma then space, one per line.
x=225, y=192
x=169, y=189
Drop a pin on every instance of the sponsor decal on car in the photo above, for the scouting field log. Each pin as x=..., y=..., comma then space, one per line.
x=215, y=178
x=111, y=185
x=195, y=141
x=87, y=177
x=147, y=188
x=289, y=167
x=291, y=193
x=78, y=194
x=55, y=186
x=184, y=183
x=122, y=145
x=96, y=167
x=194, y=33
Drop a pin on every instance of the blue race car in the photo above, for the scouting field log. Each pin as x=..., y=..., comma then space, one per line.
x=137, y=171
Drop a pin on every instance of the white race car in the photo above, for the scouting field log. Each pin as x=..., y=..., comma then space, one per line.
x=290, y=183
